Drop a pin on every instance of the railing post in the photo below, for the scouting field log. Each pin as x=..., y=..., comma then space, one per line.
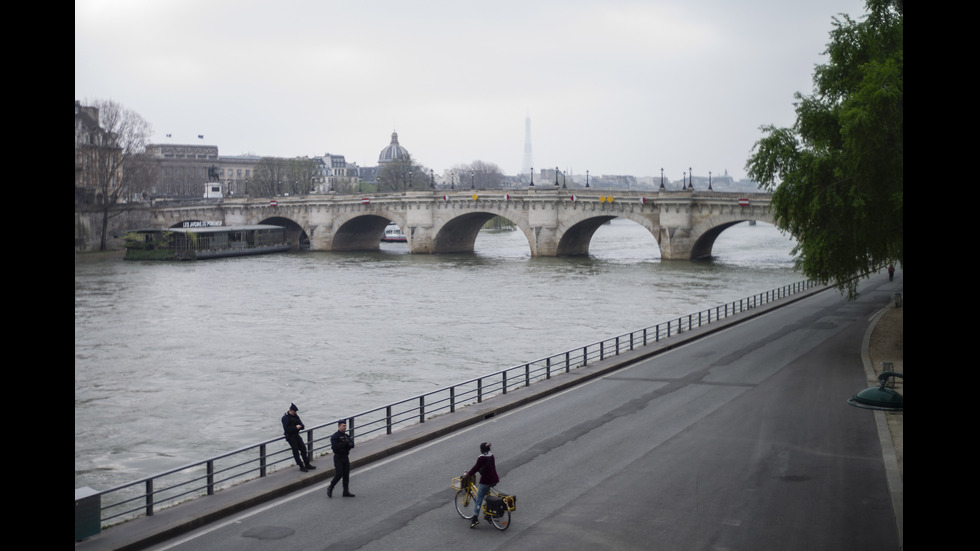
x=211, y=478
x=527, y=374
x=585, y=354
x=388, y=419
x=452, y=398
x=422, y=408
x=602, y=350
x=309, y=443
x=547, y=368
x=149, y=497
x=350, y=423
x=503, y=380
x=568, y=362
x=479, y=390
x=262, y=460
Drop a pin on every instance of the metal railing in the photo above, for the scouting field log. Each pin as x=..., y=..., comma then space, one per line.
x=144, y=496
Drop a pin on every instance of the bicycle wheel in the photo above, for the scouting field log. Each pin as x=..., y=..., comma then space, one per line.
x=464, y=503
x=502, y=521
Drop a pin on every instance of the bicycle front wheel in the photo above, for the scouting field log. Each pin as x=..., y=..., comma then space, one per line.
x=502, y=521
x=464, y=503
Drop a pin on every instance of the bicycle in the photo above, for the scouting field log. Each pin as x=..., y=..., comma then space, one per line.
x=499, y=517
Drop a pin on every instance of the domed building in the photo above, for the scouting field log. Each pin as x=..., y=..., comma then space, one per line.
x=393, y=153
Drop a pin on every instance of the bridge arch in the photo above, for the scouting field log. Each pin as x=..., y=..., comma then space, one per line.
x=576, y=233
x=458, y=234
x=295, y=233
x=362, y=231
x=707, y=231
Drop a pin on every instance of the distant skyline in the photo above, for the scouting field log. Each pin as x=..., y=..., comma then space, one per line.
x=611, y=87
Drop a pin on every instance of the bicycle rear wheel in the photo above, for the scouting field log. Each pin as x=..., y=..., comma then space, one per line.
x=502, y=521
x=464, y=503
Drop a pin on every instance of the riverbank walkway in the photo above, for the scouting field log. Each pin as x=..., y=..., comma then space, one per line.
x=171, y=523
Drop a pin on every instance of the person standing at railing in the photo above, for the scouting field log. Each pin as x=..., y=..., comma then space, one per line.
x=341, y=444
x=291, y=426
x=487, y=467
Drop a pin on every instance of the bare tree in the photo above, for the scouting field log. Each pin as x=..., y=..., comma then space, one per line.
x=113, y=159
x=269, y=177
x=303, y=174
x=403, y=174
x=479, y=175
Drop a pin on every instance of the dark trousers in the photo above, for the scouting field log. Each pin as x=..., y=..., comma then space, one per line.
x=341, y=464
x=299, y=449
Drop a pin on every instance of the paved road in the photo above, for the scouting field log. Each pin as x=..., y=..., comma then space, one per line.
x=742, y=440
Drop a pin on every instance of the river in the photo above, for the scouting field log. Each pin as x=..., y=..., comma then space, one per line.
x=178, y=361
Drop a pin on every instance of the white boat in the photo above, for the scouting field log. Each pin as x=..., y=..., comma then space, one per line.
x=393, y=234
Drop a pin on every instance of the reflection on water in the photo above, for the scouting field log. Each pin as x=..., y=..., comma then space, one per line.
x=178, y=361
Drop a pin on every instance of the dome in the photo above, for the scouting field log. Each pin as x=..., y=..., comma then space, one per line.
x=393, y=152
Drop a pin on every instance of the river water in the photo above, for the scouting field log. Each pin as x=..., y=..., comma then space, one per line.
x=175, y=362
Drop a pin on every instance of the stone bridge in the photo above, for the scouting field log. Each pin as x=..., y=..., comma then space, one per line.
x=555, y=222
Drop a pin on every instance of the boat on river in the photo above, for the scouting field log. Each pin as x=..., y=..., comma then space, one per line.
x=393, y=234
x=200, y=243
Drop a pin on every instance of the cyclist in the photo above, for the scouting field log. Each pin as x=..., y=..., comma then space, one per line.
x=487, y=468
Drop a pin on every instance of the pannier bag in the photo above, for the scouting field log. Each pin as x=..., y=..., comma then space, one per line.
x=496, y=505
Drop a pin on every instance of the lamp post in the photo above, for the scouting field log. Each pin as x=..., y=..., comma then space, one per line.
x=586, y=179
x=432, y=179
x=662, y=179
x=409, y=179
x=690, y=176
x=472, y=184
x=709, y=180
x=556, y=177
x=532, y=177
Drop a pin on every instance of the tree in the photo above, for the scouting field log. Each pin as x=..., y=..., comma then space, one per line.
x=302, y=175
x=479, y=175
x=113, y=159
x=403, y=174
x=837, y=174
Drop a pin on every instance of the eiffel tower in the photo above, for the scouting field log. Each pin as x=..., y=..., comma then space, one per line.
x=528, y=160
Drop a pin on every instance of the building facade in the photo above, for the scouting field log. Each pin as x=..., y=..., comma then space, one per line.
x=182, y=169
x=98, y=162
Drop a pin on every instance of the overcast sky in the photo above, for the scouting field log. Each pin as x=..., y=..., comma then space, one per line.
x=611, y=86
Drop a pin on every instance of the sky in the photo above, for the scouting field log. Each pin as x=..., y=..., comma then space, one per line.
x=611, y=86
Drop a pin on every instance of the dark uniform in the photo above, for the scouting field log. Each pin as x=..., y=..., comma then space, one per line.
x=341, y=444
x=291, y=425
